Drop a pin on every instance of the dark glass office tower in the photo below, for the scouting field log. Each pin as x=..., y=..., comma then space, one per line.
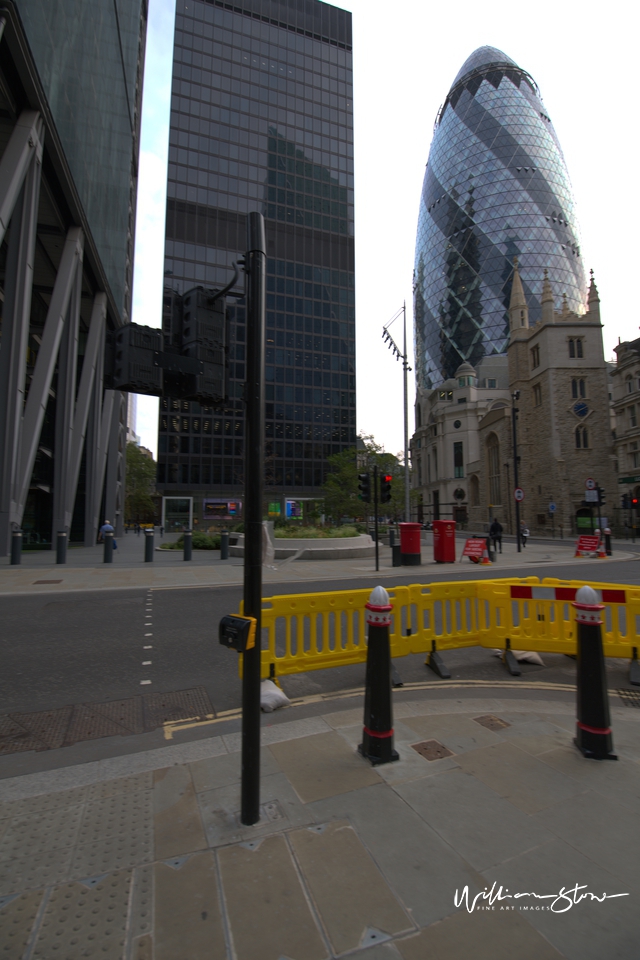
x=262, y=120
x=496, y=186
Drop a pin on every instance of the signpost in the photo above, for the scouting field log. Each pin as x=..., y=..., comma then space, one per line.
x=518, y=494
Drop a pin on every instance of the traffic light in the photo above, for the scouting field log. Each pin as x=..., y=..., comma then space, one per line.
x=634, y=503
x=385, y=487
x=626, y=501
x=364, y=486
x=601, y=497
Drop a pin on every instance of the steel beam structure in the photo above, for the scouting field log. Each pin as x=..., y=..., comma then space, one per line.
x=18, y=203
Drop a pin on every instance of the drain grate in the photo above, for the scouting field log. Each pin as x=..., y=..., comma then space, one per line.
x=50, y=729
x=432, y=750
x=630, y=698
x=491, y=722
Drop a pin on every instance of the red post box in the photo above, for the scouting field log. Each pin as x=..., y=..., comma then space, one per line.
x=410, y=544
x=444, y=541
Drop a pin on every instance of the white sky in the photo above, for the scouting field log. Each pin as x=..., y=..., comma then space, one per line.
x=406, y=54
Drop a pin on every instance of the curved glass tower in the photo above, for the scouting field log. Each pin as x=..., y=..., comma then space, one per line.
x=496, y=186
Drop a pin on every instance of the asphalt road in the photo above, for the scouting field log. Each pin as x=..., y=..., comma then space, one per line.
x=96, y=646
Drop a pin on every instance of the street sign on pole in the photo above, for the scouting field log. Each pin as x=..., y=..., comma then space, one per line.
x=591, y=495
x=518, y=494
x=552, y=508
x=590, y=483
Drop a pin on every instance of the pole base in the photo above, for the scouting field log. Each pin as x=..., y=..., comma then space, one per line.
x=435, y=662
x=387, y=756
x=599, y=753
x=411, y=559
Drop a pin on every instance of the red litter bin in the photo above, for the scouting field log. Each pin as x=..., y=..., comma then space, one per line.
x=410, y=544
x=444, y=541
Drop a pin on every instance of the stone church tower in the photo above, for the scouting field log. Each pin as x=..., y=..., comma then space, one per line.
x=564, y=426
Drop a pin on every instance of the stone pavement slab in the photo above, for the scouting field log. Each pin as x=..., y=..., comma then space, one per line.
x=144, y=857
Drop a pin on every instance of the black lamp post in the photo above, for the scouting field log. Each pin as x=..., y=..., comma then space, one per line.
x=515, y=396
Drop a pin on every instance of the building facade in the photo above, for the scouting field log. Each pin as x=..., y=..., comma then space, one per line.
x=557, y=369
x=496, y=186
x=626, y=409
x=262, y=120
x=70, y=96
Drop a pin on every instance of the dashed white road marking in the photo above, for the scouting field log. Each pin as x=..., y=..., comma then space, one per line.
x=143, y=683
x=146, y=663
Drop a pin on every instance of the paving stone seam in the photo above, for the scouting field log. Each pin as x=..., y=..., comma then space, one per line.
x=313, y=908
x=37, y=923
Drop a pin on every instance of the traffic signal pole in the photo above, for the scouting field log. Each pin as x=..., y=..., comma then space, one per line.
x=255, y=270
x=375, y=508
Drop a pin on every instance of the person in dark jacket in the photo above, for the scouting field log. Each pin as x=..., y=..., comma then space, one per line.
x=495, y=532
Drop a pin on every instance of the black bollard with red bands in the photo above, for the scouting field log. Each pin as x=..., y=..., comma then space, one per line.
x=377, y=736
x=593, y=731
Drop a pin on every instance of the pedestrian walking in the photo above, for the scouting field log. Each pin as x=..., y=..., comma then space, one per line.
x=524, y=533
x=495, y=532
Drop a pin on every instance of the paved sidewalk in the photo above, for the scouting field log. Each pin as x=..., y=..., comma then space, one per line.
x=142, y=857
x=85, y=570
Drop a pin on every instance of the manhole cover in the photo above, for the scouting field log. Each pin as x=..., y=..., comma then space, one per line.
x=630, y=698
x=47, y=581
x=431, y=750
x=491, y=722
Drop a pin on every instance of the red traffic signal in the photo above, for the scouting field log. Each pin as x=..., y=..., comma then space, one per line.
x=385, y=488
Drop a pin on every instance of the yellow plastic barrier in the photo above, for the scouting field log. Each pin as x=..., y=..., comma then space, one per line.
x=315, y=631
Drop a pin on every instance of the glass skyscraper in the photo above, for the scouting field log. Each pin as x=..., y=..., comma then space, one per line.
x=262, y=120
x=496, y=186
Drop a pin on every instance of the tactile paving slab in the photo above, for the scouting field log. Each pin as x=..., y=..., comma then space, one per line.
x=47, y=726
x=17, y=915
x=14, y=738
x=29, y=873
x=37, y=833
x=46, y=802
x=82, y=921
x=136, y=783
x=133, y=846
x=114, y=816
x=89, y=722
x=162, y=708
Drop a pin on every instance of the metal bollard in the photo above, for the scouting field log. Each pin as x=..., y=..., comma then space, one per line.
x=108, y=547
x=392, y=537
x=396, y=552
x=61, y=547
x=607, y=541
x=188, y=544
x=148, y=546
x=377, y=736
x=224, y=545
x=16, y=547
x=593, y=729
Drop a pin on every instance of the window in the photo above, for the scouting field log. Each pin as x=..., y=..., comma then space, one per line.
x=578, y=388
x=535, y=357
x=491, y=384
x=418, y=416
x=435, y=464
x=629, y=383
x=537, y=395
x=458, y=465
x=474, y=486
x=575, y=347
x=493, y=457
x=419, y=471
x=446, y=395
x=633, y=420
x=582, y=438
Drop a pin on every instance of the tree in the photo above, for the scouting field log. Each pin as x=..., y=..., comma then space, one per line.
x=341, y=486
x=140, y=485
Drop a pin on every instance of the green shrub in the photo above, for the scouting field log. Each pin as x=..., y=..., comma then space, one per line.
x=201, y=541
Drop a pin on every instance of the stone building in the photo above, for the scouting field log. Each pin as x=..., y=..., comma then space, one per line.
x=564, y=435
x=626, y=409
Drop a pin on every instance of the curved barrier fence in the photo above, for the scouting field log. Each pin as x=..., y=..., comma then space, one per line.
x=314, y=631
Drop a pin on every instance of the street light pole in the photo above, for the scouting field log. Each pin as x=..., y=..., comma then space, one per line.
x=514, y=418
x=406, y=369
